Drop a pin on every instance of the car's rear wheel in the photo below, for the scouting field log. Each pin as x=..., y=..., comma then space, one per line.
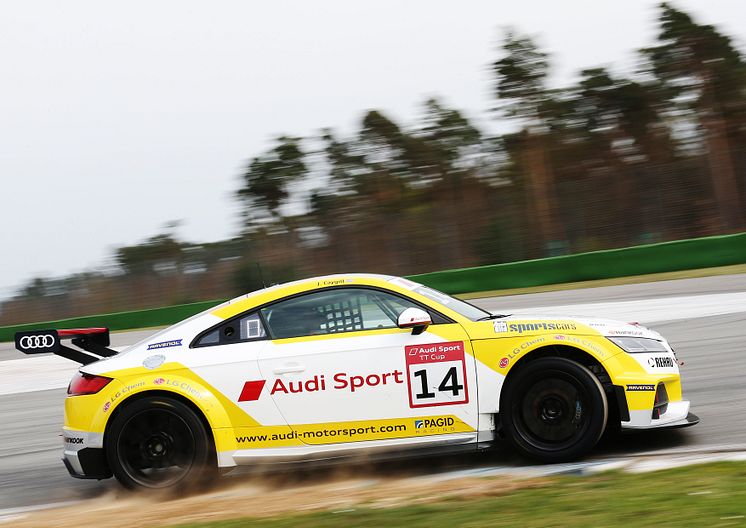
x=158, y=442
x=553, y=409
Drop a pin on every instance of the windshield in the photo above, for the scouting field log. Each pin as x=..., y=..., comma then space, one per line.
x=457, y=305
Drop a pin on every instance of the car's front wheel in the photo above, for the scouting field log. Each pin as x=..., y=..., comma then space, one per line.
x=553, y=409
x=158, y=442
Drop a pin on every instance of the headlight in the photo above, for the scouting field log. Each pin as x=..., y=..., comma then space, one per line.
x=637, y=345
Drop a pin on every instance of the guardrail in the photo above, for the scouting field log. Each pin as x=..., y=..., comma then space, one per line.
x=166, y=315
x=695, y=253
x=679, y=255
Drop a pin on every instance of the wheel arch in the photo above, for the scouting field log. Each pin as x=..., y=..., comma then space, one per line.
x=580, y=356
x=167, y=395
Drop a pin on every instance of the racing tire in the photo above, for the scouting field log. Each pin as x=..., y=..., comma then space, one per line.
x=157, y=443
x=553, y=410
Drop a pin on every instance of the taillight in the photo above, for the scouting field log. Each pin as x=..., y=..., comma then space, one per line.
x=86, y=384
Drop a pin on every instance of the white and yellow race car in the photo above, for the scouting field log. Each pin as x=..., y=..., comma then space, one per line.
x=336, y=366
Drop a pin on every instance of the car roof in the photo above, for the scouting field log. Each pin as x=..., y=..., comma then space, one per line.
x=245, y=302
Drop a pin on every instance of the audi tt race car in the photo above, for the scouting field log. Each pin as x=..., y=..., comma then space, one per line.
x=335, y=366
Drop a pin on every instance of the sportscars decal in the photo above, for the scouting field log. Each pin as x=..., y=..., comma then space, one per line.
x=502, y=327
x=436, y=374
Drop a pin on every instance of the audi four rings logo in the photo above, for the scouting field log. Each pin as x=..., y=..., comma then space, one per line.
x=36, y=341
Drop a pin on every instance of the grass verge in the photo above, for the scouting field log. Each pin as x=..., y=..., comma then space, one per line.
x=700, y=495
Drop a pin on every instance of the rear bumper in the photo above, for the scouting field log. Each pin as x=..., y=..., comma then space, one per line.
x=84, y=455
x=88, y=464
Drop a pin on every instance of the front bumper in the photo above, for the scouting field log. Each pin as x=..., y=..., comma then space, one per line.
x=677, y=415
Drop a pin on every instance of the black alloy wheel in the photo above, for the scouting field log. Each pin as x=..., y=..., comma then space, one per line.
x=158, y=442
x=553, y=409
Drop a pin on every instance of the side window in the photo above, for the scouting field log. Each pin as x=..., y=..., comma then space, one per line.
x=246, y=328
x=334, y=311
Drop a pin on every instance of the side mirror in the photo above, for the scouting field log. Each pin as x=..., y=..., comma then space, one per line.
x=414, y=318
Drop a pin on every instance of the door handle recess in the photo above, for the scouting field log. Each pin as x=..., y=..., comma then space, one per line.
x=289, y=368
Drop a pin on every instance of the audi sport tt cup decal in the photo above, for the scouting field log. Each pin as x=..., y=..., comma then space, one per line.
x=436, y=374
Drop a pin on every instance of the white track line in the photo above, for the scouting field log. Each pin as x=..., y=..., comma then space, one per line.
x=35, y=374
x=650, y=310
x=14, y=514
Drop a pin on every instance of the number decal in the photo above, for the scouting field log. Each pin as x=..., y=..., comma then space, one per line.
x=436, y=374
x=453, y=387
x=422, y=374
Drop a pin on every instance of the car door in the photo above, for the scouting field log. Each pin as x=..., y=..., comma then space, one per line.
x=340, y=370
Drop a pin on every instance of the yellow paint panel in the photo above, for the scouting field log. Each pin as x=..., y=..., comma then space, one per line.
x=91, y=412
x=502, y=354
x=343, y=432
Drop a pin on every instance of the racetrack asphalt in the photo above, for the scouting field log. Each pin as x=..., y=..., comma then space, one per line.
x=712, y=348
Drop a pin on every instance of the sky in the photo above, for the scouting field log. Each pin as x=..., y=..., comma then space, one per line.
x=119, y=118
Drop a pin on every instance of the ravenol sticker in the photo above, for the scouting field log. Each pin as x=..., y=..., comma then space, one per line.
x=640, y=388
x=165, y=344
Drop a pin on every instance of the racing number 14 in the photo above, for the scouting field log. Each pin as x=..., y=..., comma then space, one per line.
x=436, y=374
x=451, y=377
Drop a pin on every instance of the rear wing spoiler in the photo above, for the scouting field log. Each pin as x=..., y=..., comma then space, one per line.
x=93, y=342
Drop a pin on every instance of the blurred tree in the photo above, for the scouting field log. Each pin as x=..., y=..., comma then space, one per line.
x=338, y=208
x=267, y=180
x=610, y=136
x=448, y=158
x=249, y=276
x=521, y=86
x=35, y=288
x=704, y=72
x=160, y=251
